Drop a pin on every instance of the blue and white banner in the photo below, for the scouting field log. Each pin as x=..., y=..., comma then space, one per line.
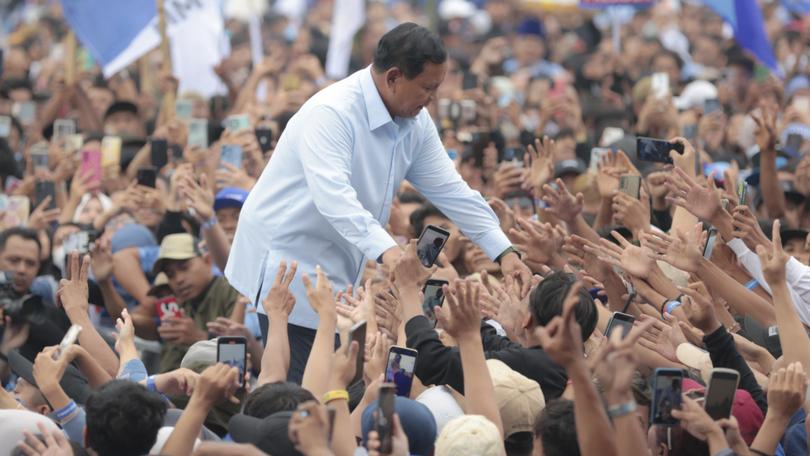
x=745, y=19
x=118, y=32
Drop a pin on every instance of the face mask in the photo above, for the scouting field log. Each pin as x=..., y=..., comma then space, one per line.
x=59, y=258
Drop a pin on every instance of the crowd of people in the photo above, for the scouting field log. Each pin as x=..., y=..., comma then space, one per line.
x=119, y=210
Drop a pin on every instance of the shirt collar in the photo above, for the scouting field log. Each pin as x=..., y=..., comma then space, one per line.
x=378, y=114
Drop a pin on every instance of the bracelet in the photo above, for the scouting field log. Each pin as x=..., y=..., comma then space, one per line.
x=510, y=249
x=753, y=283
x=65, y=411
x=335, y=395
x=150, y=384
x=208, y=224
x=672, y=305
x=616, y=411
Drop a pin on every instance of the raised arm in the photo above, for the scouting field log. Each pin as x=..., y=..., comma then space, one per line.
x=319, y=364
x=277, y=305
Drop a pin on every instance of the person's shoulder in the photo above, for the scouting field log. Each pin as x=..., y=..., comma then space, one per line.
x=341, y=97
x=222, y=289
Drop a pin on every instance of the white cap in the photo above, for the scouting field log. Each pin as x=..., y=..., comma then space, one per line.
x=695, y=94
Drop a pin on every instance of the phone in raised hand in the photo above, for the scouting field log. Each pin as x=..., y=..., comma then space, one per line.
x=667, y=390
x=430, y=244
x=70, y=338
x=720, y=392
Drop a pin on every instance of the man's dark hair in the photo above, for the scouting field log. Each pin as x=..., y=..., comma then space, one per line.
x=25, y=233
x=418, y=217
x=275, y=397
x=546, y=302
x=123, y=418
x=408, y=47
x=556, y=429
x=673, y=55
x=408, y=197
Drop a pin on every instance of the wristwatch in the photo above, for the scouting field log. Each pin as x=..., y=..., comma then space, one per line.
x=615, y=411
x=510, y=249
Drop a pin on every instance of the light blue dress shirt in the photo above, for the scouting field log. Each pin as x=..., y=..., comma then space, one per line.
x=325, y=196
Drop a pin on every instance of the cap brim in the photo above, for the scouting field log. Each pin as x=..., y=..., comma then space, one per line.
x=21, y=366
x=161, y=261
x=73, y=383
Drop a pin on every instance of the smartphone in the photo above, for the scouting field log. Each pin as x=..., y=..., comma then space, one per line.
x=183, y=109
x=610, y=135
x=237, y=122
x=5, y=126
x=468, y=110
x=78, y=242
x=631, y=185
x=159, y=150
x=656, y=150
x=74, y=142
x=264, y=135
x=384, y=416
x=198, y=133
x=667, y=390
x=167, y=307
x=147, y=176
x=232, y=350
x=711, y=105
x=596, y=154
x=742, y=193
x=91, y=164
x=659, y=85
x=111, y=151
x=358, y=333
x=39, y=157
x=434, y=295
x=399, y=369
x=70, y=338
x=62, y=128
x=430, y=244
x=24, y=111
x=42, y=190
x=232, y=155
x=720, y=392
x=793, y=144
x=709, y=247
x=469, y=81
x=621, y=321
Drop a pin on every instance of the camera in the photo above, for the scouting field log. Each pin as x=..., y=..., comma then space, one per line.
x=20, y=309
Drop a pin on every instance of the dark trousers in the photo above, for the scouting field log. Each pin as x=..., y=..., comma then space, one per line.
x=301, y=340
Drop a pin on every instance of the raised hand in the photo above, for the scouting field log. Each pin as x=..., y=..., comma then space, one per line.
x=682, y=251
x=561, y=338
x=615, y=362
x=321, y=298
x=73, y=292
x=101, y=259
x=505, y=214
x=217, y=383
x=41, y=216
x=125, y=339
x=631, y=212
x=388, y=312
x=460, y=316
x=658, y=190
x=409, y=271
x=702, y=202
x=685, y=161
x=540, y=161
x=47, y=443
x=562, y=203
x=766, y=130
x=786, y=391
x=577, y=255
x=773, y=260
x=309, y=429
x=538, y=242
x=746, y=227
x=636, y=261
x=699, y=310
x=280, y=301
x=607, y=177
x=697, y=422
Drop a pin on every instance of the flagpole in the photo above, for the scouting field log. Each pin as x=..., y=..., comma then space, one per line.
x=70, y=58
x=165, y=53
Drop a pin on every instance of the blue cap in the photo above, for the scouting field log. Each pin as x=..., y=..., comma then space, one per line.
x=531, y=26
x=417, y=422
x=230, y=197
x=132, y=235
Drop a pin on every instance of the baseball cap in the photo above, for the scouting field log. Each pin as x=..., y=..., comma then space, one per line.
x=470, y=434
x=519, y=398
x=748, y=414
x=766, y=337
x=13, y=424
x=121, y=106
x=73, y=383
x=178, y=246
x=132, y=235
x=695, y=94
x=202, y=353
x=572, y=166
x=441, y=403
x=416, y=419
x=230, y=197
x=268, y=434
x=694, y=357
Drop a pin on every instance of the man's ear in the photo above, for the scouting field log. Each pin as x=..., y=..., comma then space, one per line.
x=207, y=258
x=392, y=75
x=528, y=321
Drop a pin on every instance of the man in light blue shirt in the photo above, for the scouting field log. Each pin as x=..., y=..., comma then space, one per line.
x=325, y=196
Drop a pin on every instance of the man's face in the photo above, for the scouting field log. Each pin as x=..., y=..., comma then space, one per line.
x=453, y=244
x=188, y=278
x=100, y=99
x=409, y=96
x=123, y=124
x=227, y=218
x=30, y=397
x=20, y=257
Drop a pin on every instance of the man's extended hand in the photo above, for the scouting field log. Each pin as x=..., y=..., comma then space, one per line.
x=512, y=265
x=181, y=331
x=408, y=271
x=73, y=292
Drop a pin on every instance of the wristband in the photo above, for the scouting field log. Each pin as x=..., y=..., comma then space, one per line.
x=508, y=250
x=616, y=411
x=208, y=224
x=672, y=305
x=335, y=395
x=753, y=283
x=150, y=384
x=65, y=411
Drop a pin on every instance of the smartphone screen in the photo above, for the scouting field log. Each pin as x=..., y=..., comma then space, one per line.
x=434, y=295
x=159, y=149
x=430, y=244
x=656, y=150
x=384, y=417
x=666, y=395
x=469, y=81
x=358, y=334
x=24, y=111
x=183, y=109
x=198, y=133
x=264, y=136
x=43, y=189
x=793, y=144
x=232, y=350
x=78, y=242
x=232, y=155
x=610, y=135
x=709, y=247
x=660, y=85
x=5, y=126
x=91, y=164
x=399, y=369
x=596, y=154
x=742, y=193
x=621, y=321
x=147, y=177
x=630, y=184
x=62, y=128
x=111, y=151
x=237, y=122
x=70, y=338
x=720, y=393
x=468, y=110
x=711, y=105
